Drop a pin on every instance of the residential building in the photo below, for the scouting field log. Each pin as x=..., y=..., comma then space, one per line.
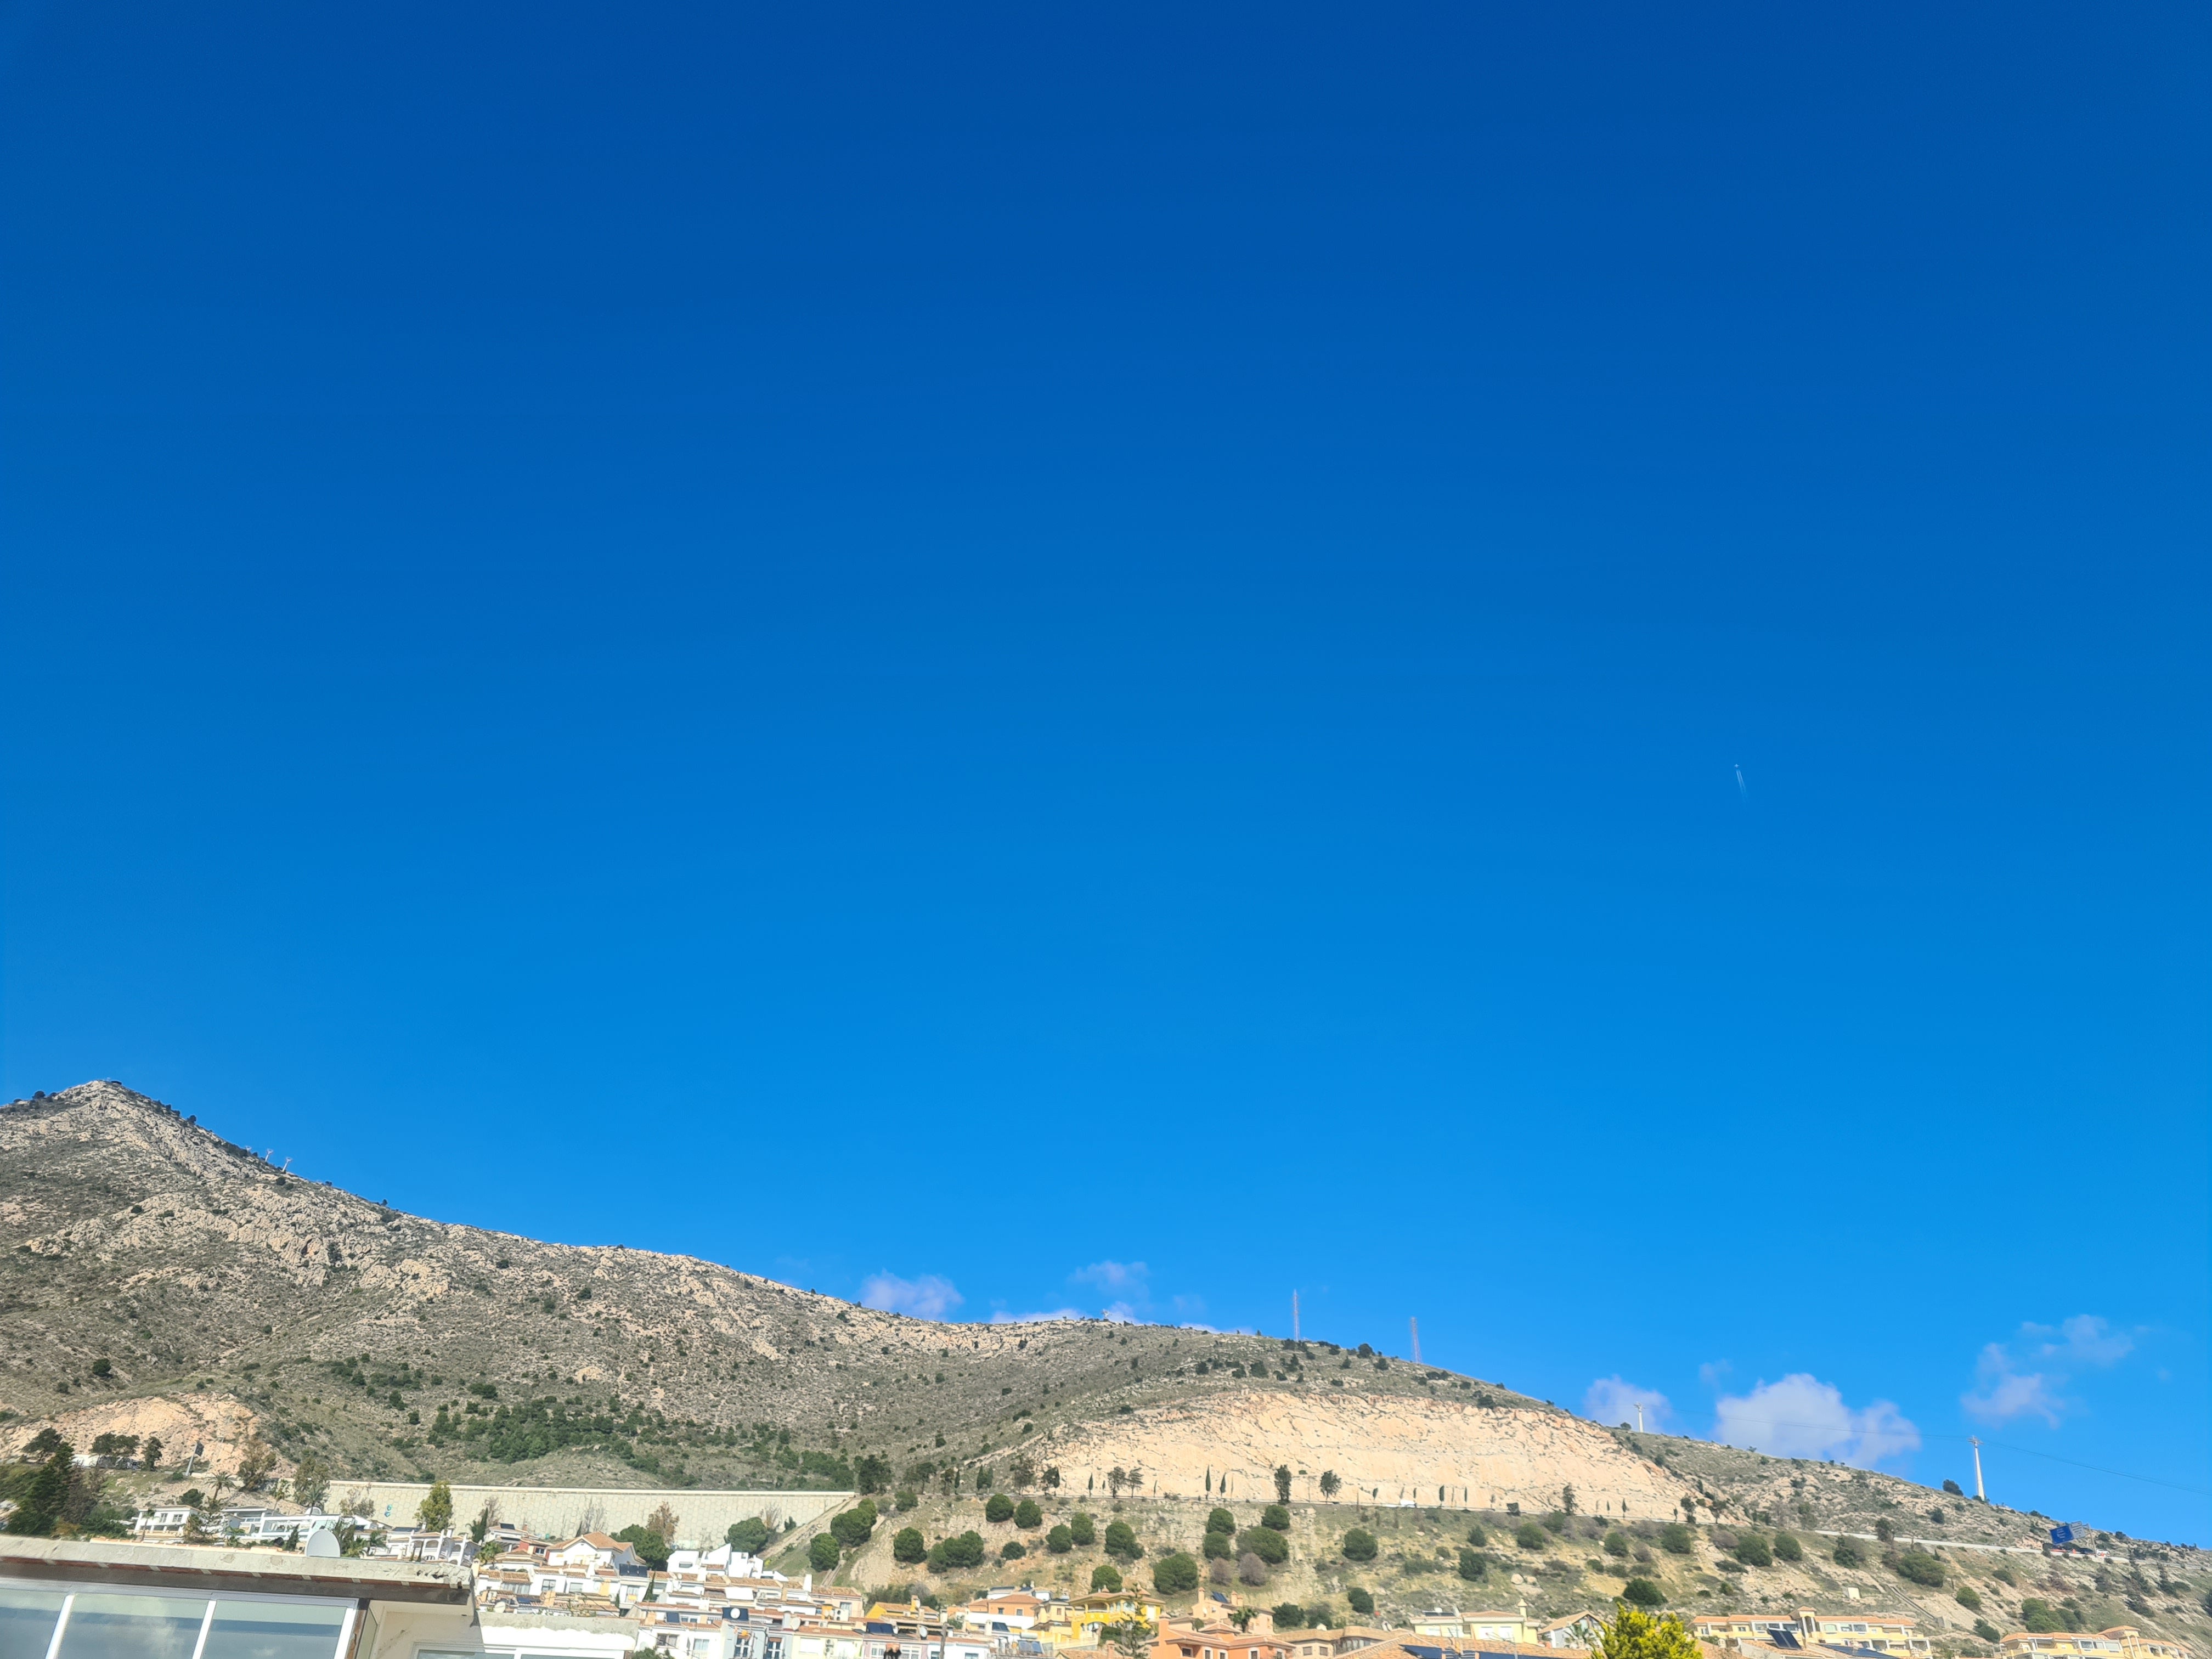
x=594, y=1549
x=1329, y=1643
x=1854, y=1632
x=2120, y=1641
x=1580, y=1630
x=1215, y=1642
x=1491, y=1628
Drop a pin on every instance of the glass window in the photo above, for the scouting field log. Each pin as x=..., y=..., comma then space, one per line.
x=133, y=1627
x=273, y=1630
x=26, y=1622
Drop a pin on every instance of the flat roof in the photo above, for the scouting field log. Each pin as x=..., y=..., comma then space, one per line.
x=210, y=1570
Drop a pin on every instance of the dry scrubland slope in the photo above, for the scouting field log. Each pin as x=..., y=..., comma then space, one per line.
x=154, y=1277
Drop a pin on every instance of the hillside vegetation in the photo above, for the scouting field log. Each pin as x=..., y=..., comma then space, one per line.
x=157, y=1280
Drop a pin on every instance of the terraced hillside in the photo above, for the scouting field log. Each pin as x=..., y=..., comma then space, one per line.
x=156, y=1280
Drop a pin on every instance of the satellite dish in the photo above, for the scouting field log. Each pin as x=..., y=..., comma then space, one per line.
x=322, y=1541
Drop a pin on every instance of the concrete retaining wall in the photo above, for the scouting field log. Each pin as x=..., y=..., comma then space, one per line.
x=563, y=1511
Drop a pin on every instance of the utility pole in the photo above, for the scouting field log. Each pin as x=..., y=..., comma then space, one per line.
x=1414, y=1325
x=1976, y=1445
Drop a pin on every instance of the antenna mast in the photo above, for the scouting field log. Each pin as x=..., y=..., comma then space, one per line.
x=1294, y=1315
x=1976, y=1445
x=1414, y=1325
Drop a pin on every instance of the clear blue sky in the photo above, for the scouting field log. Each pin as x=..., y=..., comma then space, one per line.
x=1544, y=667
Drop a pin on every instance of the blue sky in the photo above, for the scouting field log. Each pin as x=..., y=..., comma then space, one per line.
x=1543, y=668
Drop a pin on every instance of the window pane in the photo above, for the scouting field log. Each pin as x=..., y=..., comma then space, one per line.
x=270, y=1629
x=26, y=1622
x=133, y=1627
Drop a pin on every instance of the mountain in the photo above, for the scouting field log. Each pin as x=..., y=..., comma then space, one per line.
x=155, y=1279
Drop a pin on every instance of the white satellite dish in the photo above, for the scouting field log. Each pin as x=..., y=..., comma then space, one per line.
x=322, y=1541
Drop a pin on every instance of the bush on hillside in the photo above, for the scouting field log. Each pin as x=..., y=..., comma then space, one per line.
x=856, y=1526
x=1288, y=1615
x=1642, y=1592
x=751, y=1534
x=1847, y=1553
x=1676, y=1539
x=906, y=1498
x=1360, y=1545
x=1275, y=1518
x=821, y=1552
x=1361, y=1602
x=1121, y=1541
x=1477, y=1536
x=1530, y=1536
x=999, y=1508
x=1751, y=1550
x=906, y=1546
x=1920, y=1567
x=1082, y=1529
x=1104, y=1578
x=1969, y=1598
x=1059, y=1539
x=1251, y=1568
x=1616, y=1544
x=1268, y=1545
x=1787, y=1548
x=1986, y=1630
x=1028, y=1515
x=1474, y=1566
x=1172, y=1575
x=1220, y=1520
x=965, y=1551
x=1011, y=1549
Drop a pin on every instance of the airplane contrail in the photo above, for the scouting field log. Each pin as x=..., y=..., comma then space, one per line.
x=1742, y=792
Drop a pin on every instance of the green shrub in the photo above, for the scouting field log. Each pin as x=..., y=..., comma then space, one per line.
x=1011, y=1549
x=1361, y=1602
x=1275, y=1518
x=2039, y=1616
x=1847, y=1553
x=1642, y=1592
x=1616, y=1544
x=1477, y=1536
x=1787, y=1548
x=821, y=1552
x=1268, y=1544
x=1969, y=1598
x=1104, y=1578
x=1217, y=1546
x=1059, y=1539
x=1676, y=1539
x=651, y=1548
x=1172, y=1575
x=1289, y=1615
x=999, y=1508
x=1121, y=1541
x=906, y=1546
x=907, y=1499
x=1986, y=1630
x=1028, y=1515
x=1530, y=1536
x=1360, y=1545
x=751, y=1534
x=965, y=1551
x=1751, y=1550
x=1220, y=1520
x=1920, y=1567
x=856, y=1526
x=1082, y=1529
x=1474, y=1566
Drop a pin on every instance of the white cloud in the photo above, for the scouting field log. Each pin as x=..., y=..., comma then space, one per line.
x=2006, y=1388
x=1112, y=1276
x=1802, y=1416
x=1614, y=1400
x=930, y=1296
x=1712, y=1370
x=1002, y=1317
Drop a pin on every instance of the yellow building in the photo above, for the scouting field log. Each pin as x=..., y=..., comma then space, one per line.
x=2120, y=1641
x=1884, y=1632
x=1077, y=1622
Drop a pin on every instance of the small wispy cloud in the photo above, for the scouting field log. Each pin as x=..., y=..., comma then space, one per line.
x=1712, y=1371
x=2026, y=1377
x=930, y=1296
x=1002, y=1317
x=1802, y=1416
x=1113, y=1276
x=1614, y=1400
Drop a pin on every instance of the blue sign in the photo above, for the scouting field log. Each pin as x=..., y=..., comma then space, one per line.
x=2062, y=1534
